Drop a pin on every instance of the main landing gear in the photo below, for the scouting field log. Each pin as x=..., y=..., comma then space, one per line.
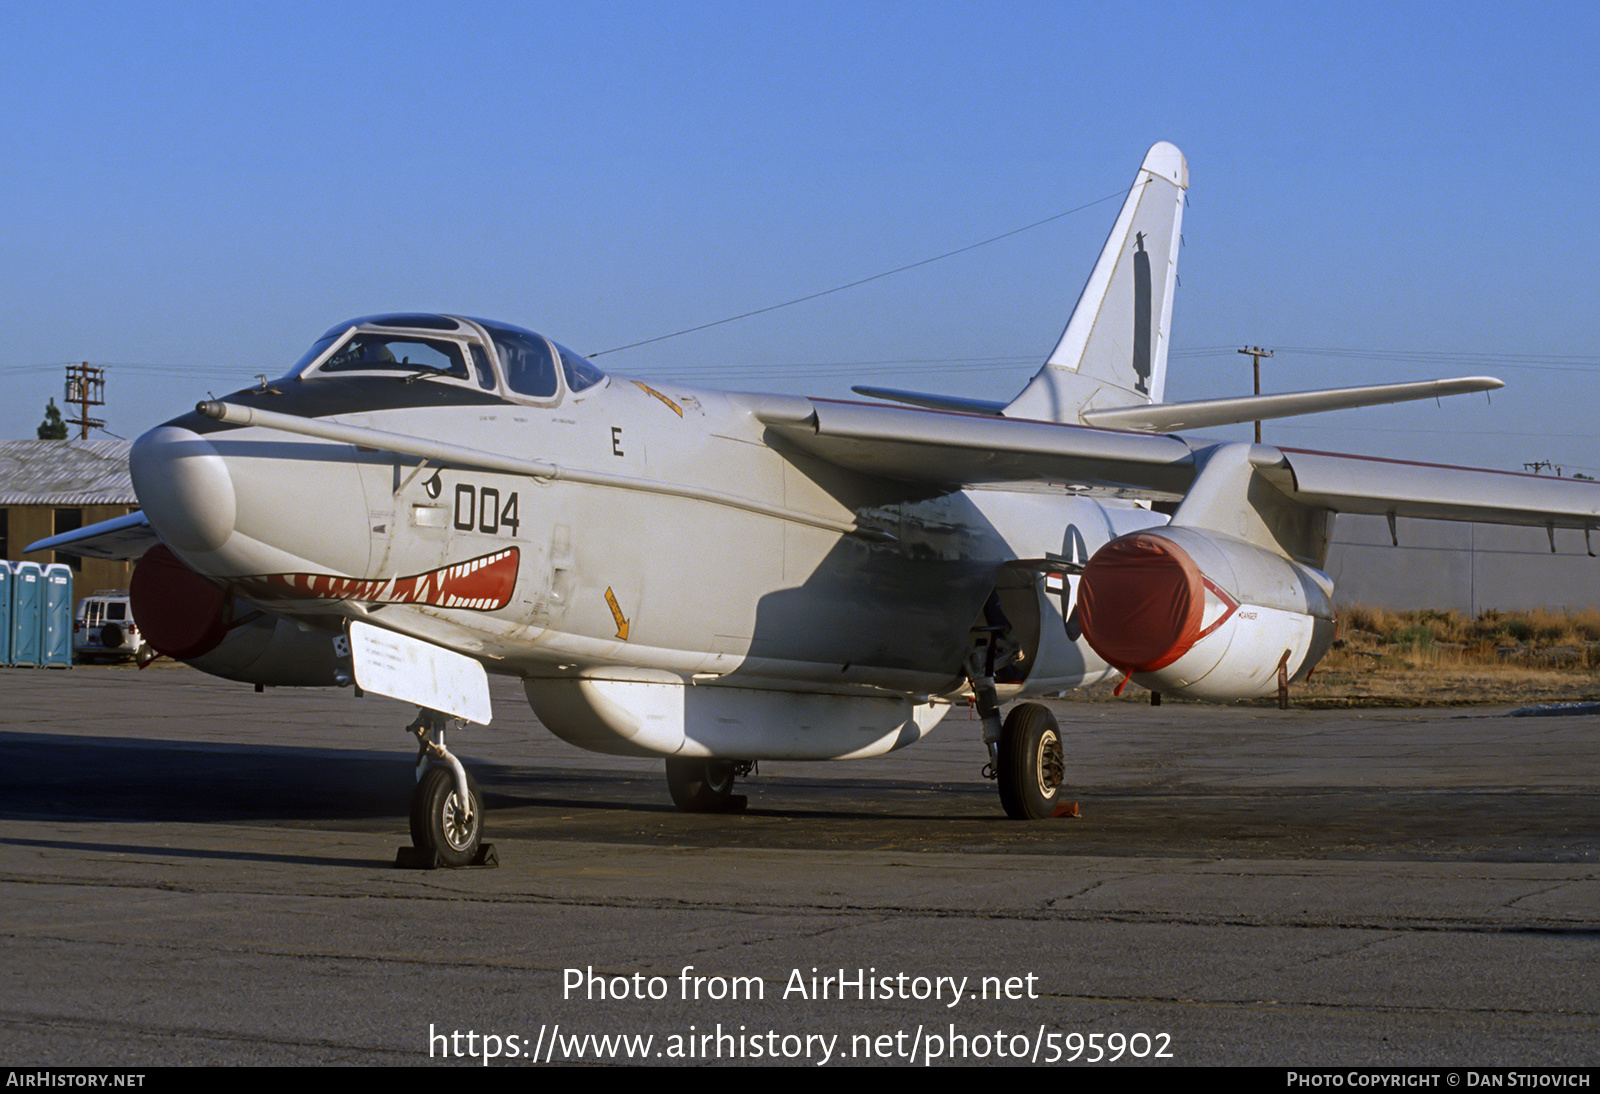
x=446, y=809
x=705, y=785
x=1031, y=763
x=1025, y=754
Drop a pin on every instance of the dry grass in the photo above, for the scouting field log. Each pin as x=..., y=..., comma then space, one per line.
x=1486, y=635
x=1426, y=638
x=1426, y=658
x=1445, y=656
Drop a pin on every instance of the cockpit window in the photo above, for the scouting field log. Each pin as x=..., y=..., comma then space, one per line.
x=398, y=353
x=525, y=358
x=414, y=322
x=579, y=371
x=480, y=365
x=318, y=348
x=530, y=364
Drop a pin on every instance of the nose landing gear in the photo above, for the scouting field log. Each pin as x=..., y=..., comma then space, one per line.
x=446, y=809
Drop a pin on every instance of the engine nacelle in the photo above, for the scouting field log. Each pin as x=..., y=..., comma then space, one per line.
x=1201, y=615
x=189, y=618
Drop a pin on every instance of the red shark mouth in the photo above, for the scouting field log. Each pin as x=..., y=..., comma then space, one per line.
x=481, y=584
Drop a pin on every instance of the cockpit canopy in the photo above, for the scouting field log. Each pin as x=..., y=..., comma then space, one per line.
x=493, y=356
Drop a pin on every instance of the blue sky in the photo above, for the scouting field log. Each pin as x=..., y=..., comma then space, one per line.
x=192, y=193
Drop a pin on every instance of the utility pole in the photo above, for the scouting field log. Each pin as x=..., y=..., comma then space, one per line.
x=1258, y=353
x=86, y=386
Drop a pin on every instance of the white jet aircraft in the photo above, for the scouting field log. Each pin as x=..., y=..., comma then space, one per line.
x=719, y=578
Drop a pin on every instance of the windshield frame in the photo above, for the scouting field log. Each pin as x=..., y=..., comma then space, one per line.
x=474, y=341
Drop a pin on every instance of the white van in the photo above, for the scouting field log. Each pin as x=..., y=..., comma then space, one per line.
x=103, y=628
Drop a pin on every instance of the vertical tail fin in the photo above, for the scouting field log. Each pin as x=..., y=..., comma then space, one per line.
x=1114, y=350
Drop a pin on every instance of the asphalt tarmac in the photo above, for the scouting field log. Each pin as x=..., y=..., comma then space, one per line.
x=193, y=873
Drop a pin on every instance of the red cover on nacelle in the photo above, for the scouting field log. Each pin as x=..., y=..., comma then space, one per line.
x=1140, y=602
x=182, y=614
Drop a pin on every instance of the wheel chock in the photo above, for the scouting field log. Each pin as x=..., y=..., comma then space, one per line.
x=419, y=858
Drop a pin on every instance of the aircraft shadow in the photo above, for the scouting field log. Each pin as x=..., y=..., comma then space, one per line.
x=151, y=781
x=106, y=778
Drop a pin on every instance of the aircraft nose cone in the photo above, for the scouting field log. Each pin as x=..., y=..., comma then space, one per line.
x=185, y=488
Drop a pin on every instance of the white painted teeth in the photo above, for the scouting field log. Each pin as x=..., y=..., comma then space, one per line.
x=433, y=587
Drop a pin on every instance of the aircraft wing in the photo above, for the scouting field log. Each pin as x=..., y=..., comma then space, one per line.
x=948, y=449
x=1379, y=487
x=122, y=537
x=932, y=402
x=934, y=448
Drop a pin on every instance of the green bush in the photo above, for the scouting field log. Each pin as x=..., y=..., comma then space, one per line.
x=1416, y=637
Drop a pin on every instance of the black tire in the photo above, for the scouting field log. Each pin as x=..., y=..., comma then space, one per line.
x=111, y=637
x=436, y=823
x=700, y=785
x=1032, y=764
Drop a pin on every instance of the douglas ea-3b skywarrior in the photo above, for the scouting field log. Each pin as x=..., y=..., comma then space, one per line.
x=718, y=578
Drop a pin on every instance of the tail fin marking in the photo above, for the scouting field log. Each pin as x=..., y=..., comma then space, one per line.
x=1116, y=341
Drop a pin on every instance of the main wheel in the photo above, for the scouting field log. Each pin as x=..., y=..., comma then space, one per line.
x=438, y=823
x=700, y=785
x=1031, y=762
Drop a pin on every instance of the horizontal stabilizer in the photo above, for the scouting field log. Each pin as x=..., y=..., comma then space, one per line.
x=1205, y=413
x=119, y=538
x=932, y=402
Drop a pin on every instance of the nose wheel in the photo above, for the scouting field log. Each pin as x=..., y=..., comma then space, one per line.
x=441, y=823
x=446, y=809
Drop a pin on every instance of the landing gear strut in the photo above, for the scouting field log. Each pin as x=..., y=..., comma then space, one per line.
x=705, y=785
x=1025, y=753
x=446, y=809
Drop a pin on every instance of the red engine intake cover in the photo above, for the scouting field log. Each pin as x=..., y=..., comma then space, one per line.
x=182, y=614
x=1140, y=602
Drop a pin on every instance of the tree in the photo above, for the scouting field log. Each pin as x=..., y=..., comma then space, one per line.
x=52, y=428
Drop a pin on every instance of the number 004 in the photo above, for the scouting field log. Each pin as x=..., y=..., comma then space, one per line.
x=481, y=511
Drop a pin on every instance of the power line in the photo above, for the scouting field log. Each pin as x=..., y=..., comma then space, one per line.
x=861, y=281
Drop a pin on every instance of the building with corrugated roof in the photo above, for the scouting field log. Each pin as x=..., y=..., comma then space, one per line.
x=49, y=487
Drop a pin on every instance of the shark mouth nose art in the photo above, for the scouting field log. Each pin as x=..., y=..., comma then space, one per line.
x=480, y=584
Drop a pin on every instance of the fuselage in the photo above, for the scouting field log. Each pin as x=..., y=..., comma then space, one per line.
x=670, y=531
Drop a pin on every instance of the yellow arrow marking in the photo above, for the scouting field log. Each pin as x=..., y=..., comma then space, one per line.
x=676, y=409
x=616, y=613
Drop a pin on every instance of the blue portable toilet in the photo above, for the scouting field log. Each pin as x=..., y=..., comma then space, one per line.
x=27, y=599
x=55, y=617
x=5, y=612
